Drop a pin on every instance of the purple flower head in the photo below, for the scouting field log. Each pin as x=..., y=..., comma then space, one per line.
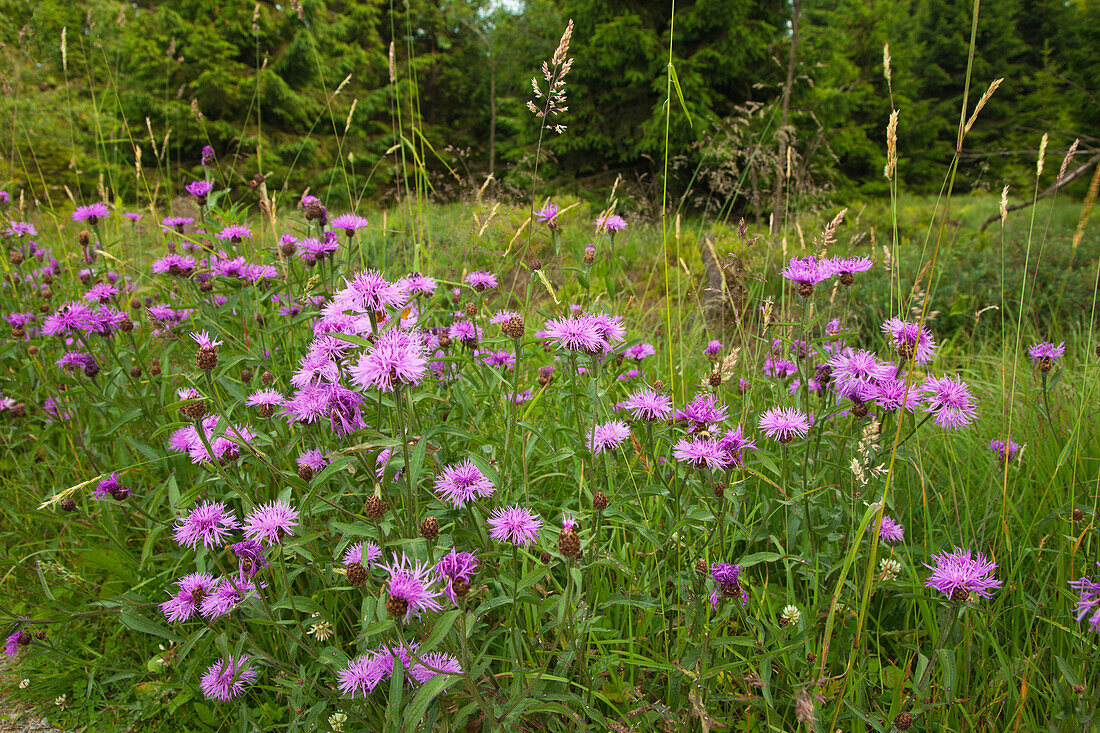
x=432, y=664
x=413, y=582
x=91, y=213
x=784, y=424
x=21, y=229
x=265, y=398
x=1044, y=353
x=713, y=348
x=779, y=367
x=949, y=400
x=734, y=444
x=514, y=524
x=417, y=284
x=481, y=281
x=234, y=233
x=892, y=394
x=348, y=223
x=185, y=602
x=397, y=359
x=250, y=557
x=701, y=413
x=73, y=317
x=270, y=523
x=1088, y=601
x=227, y=594
x=202, y=338
x=851, y=367
x=314, y=459
x=178, y=223
x=207, y=155
x=611, y=224
x=806, y=272
x=608, y=436
x=728, y=578
x=890, y=531
x=910, y=340
x=363, y=673
x=225, y=680
x=700, y=452
x=110, y=486
x=364, y=553
x=846, y=267
x=464, y=331
x=958, y=574
x=462, y=483
x=312, y=249
x=369, y=292
x=13, y=642
x=637, y=352
x=1005, y=450
x=547, y=213
x=199, y=189
x=647, y=404
x=208, y=523
x=580, y=333
x=174, y=264
x=455, y=565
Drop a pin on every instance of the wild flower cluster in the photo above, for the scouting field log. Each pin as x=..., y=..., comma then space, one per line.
x=338, y=478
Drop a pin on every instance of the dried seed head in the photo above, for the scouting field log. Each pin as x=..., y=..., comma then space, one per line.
x=267, y=378
x=67, y=504
x=569, y=543
x=1078, y=515
x=32, y=350
x=85, y=237
x=715, y=379
x=305, y=473
x=135, y=372
x=429, y=528
x=599, y=501
x=471, y=309
x=903, y=721
x=1079, y=689
x=246, y=375
x=545, y=557
x=513, y=327
x=719, y=489
x=154, y=369
x=357, y=574
x=375, y=507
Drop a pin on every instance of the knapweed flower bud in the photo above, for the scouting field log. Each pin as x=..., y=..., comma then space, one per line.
x=288, y=247
x=1078, y=515
x=32, y=350
x=154, y=369
x=85, y=238
x=375, y=507
x=513, y=327
x=305, y=473
x=15, y=257
x=701, y=566
x=246, y=375
x=471, y=309
x=590, y=254
x=569, y=544
x=206, y=359
x=903, y=721
x=715, y=378
x=134, y=304
x=599, y=501
x=719, y=489
x=18, y=333
x=545, y=557
x=429, y=528
x=135, y=372
x=267, y=378
x=206, y=286
x=67, y=505
x=536, y=265
x=126, y=325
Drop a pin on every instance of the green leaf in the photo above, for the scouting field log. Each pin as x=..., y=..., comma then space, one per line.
x=414, y=713
x=131, y=620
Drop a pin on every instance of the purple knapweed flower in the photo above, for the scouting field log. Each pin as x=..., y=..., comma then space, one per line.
x=208, y=523
x=700, y=452
x=227, y=594
x=362, y=674
x=1005, y=450
x=701, y=413
x=547, y=214
x=91, y=213
x=806, y=272
x=12, y=643
x=784, y=424
x=949, y=400
x=364, y=553
x=1044, y=353
x=207, y=155
x=734, y=444
x=455, y=565
x=462, y=483
x=910, y=340
x=611, y=224
x=397, y=359
x=432, y=664
x=637, y=352
x=647, y=404
x=713, y=348
x=608, y=436
x=413, y=583
x=270, y=523
x=728, y=578
x=234, y=233
x=890, y=531
x=958, y=574
x=579, y=333
x=481, y=281
x=515, y=525
x=1088, y=601
x=199, y=189
x=227, y=679
x=110, y=486
x=185, y=602
x=250, y=557
x=314, y=459
x=369, y=292
x=348, y=223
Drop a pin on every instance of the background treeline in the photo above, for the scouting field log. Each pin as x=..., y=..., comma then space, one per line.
x=364, y=99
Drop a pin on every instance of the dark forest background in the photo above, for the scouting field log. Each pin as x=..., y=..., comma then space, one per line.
x=342, y=96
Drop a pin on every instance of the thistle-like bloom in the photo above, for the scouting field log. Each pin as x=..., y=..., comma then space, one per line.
x=396, y=359
x=637, y=352
x=497, y=359
x=364, y=553
x=1005, y=450
x=266, y=399
x=178, y=223
x=734, y=444
x=807, y=272
x=728, y=578
x=910, y=340
x=190, y=590
x=958, y=574
x=481, y=281
x=21, y=229
x=462, y=483
x=110, y=486
x=701, y=413
x=198, y=189
x=950, y=401
x=1044, y=353
x=893, y=394
x=202, y=338
x=514, y=524
x=207, y=155
x=208, y=523
x=456, y=566
x=312, y=249
x=364, y=673
x=846, y=267
x=91, y=213
x=225, y=680
x=418, y=284
x=270, y=523
x=101, y=293
x=229, y=592
x=700, y=452
x=853, y=367
x=890, y=531
x=1088, y=602
x=413, y=584
x=611, y=224
x=174, y=264
x=784, y=424
x=432, y=664
x=12, y=644
x=580, y=333
x=547, y=214
x=608, y=436
x=713, y=348
x=348, y=223
x=250, y=557
x=70, y=318
x=369, y=292
x=314, y=459
x=234, y=233
x=647, y=404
